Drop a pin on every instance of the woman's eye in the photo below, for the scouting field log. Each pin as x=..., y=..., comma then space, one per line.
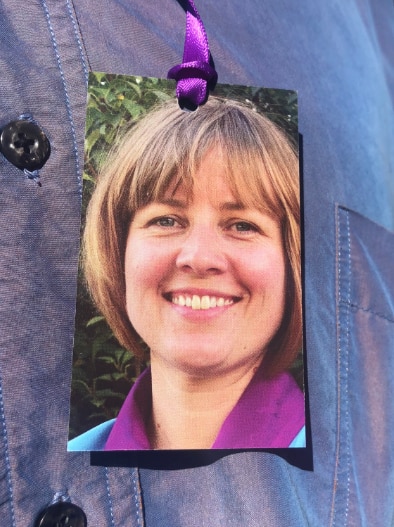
x=243, y=227
x=165, y=221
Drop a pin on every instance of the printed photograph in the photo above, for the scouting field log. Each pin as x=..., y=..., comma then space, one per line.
x=189, y=326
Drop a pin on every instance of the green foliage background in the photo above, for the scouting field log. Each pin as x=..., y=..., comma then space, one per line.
x=103, y=372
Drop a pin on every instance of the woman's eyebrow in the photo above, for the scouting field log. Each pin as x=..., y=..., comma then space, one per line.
x=231, y=205
x=172, y=202
x=183, y=204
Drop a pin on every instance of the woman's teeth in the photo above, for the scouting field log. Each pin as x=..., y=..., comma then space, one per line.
x=201, y=302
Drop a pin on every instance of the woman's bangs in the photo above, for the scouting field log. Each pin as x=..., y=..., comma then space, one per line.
x=251, y=182
x=172, y=160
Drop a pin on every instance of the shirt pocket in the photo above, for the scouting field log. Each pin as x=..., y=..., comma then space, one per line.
x=365, y=358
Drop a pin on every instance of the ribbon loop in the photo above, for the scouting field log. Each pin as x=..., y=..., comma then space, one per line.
x=194, y=69
x=196, y=75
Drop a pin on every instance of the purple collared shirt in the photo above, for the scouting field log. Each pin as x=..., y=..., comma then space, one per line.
x=269, y=414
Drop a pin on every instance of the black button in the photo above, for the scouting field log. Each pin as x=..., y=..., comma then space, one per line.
x=24, y=144
x=62, y=515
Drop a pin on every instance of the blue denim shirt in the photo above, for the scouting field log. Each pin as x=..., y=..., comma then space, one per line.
x=339, y=56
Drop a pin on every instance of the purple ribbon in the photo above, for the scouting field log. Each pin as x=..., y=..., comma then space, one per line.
x=195, y=76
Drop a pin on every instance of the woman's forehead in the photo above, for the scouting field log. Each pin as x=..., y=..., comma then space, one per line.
x=228, y=191
x=240, y=176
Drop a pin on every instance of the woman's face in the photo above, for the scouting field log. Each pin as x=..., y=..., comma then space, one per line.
x=205, y=277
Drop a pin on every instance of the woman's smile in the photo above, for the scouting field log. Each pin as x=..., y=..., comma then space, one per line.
x=197, y=299
x=196, y=305
x=196, y=302
x=205, y=275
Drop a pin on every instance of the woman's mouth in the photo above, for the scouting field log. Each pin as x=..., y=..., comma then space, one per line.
x=201, y=302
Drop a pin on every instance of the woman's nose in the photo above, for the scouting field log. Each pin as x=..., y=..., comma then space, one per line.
x=202, y=253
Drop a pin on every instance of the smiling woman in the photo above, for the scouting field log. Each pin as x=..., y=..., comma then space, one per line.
x=192, y=244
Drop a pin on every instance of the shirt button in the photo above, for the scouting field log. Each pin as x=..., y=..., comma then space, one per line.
x=24, y=144
x=62, y=515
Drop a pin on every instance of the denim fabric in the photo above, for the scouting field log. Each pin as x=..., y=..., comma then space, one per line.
x=339, y=56
x=365, y=325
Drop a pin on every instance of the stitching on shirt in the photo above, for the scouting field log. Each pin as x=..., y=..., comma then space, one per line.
x=342, y=358
x=79, y=43
x=369, y=310
x=111, y=509
x=68, y=105
x=347, y=368
x=137, y=497
x=338, y=254
x=7, y=456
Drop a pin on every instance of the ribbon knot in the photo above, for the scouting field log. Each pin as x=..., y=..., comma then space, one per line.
x=194, y=69
x=195, y=76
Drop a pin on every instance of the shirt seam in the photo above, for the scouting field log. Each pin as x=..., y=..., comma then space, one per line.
x=7, y=456
x=67, y=97
x=137, y=497
x=111, y=509
x=79, y=38
x=342, y=360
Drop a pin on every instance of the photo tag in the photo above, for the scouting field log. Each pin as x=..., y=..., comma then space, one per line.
x=189, y=308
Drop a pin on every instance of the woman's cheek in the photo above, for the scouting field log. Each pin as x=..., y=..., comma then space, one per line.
x=265, y=266
x=147, y=263
x=265, y=277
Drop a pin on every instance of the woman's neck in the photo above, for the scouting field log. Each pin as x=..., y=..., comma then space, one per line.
x=187, y=411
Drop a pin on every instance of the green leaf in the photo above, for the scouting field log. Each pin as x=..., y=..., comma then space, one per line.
x=162, y=96
x=101, y=395
x=110, y=377
x=95, y=320
x=91, y=140
x=80, y=387
x=87, y=177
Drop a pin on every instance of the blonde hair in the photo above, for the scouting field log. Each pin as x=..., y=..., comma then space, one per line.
x=165, y=148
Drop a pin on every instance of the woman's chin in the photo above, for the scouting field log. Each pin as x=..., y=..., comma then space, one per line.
x=200, y=370
x=192, y=360
x=201, y=362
